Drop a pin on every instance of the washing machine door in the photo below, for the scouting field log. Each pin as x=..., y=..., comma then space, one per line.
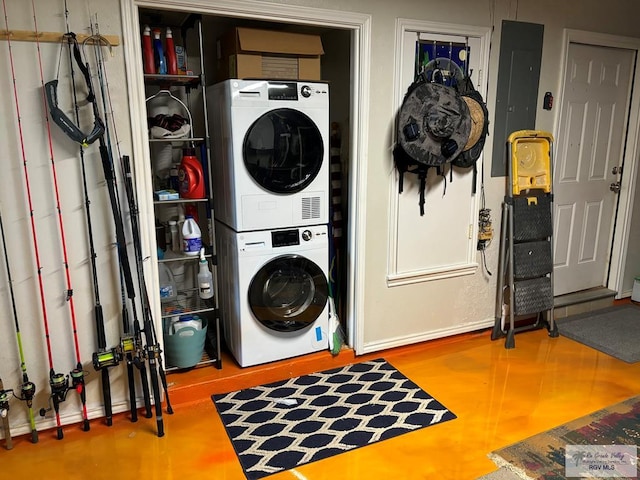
x=283, y=150
x=288, y=293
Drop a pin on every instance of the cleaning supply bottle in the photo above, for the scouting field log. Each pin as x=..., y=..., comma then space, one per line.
x=147, y=51
x=181, y=218
x=175, y=238
x=190, y=175
x=205, y=278
x=168, y=289
x=172, y=61
x=158, y=53
x=174, y=182
x=192, y=237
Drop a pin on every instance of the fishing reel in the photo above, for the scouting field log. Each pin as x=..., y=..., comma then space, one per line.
x=59, y=384
x=4, y=403
x=27, y=392
x=77, y=379
x=107, y=358
x=128, y=345
x=153, y=351
x=132, y=350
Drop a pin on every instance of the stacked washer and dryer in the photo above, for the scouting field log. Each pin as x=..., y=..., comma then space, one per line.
x=270, y=144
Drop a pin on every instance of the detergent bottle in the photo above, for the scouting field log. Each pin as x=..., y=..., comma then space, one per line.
x=190, y=175
x=147, y=51
x=172, y=61
x=158, y=52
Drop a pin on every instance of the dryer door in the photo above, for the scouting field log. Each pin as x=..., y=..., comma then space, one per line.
x=288, y=293
x=283, y=150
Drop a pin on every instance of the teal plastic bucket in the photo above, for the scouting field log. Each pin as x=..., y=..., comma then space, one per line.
x=184, y=348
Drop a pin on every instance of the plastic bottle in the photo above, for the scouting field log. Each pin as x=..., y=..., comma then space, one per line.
x=191, y=237
x=161, y=236
x=174, y=182
x=205, y=278
x=147, y=51
x=168, y=289
x=175, y=237
x=158, y=53
x=172, y=61
x=190, y=175
x=181, y=218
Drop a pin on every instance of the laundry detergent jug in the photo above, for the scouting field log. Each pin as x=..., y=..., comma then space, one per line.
x=190, y=175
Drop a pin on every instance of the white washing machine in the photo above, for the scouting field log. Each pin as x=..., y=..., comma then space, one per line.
x=273, y=292
x=270, y=148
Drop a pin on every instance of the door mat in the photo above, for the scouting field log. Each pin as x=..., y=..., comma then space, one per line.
x=543, y=456
x=285, y=424
x=612, y=330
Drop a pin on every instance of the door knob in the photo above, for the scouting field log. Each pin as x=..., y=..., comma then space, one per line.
x=615, y=187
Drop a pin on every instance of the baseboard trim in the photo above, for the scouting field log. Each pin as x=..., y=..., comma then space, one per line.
x=583, y=296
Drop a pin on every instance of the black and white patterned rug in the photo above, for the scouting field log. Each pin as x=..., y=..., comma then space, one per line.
x=285, y=424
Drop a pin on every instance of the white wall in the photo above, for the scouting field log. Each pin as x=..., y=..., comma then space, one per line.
x=390, y=315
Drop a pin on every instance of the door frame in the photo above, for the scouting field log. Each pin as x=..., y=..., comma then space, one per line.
x=360, y=27
x=624, y=209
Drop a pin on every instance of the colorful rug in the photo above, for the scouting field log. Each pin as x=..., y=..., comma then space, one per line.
x=612, y=330
x=542, y=457
x=285, y=424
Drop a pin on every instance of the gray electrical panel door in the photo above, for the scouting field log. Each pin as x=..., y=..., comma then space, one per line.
x=517, y=92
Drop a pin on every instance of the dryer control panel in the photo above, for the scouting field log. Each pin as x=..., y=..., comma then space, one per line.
x=283, y=91
x=297, y=236
x=285, y=238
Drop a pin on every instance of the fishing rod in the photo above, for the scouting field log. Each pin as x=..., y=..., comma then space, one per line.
x=130, y=342
x=58, y=382
x=27, y=388
x=109, y=175
x=78, y=373
x=104, y=358
x=152, y=348
x=4, y=414
x=97, y=134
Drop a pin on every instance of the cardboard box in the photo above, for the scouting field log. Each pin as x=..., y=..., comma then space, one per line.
x=269, y=54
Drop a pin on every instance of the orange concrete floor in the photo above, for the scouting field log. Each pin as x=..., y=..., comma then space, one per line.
x=499, y=396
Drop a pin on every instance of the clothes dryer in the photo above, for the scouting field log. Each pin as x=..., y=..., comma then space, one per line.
x=270, y=147
x=273, y=292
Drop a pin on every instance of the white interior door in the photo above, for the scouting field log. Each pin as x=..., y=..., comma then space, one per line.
x=588, y=160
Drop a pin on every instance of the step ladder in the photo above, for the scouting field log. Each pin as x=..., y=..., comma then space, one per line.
x=525, y=282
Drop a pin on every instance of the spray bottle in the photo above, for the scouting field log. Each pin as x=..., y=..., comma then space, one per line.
x=205, y=278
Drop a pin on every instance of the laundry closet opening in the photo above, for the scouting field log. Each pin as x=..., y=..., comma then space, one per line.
x=335, y=68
